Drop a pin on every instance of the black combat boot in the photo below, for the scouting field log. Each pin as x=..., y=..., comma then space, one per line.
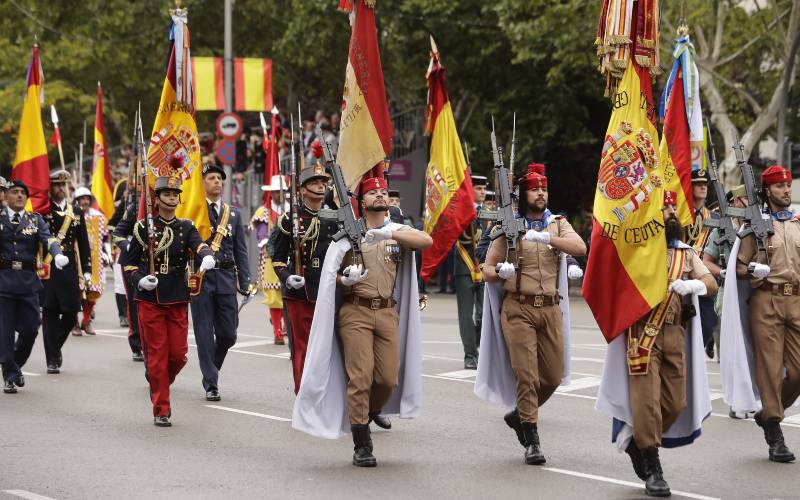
x=654, y=485
x=533, y=453
x=380, y=420
x=512, y=420
x=773, y=435
x=362, y=446
x=637, y=460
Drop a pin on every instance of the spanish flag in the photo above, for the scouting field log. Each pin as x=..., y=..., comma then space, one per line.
x=366, y=127
x=626, y=275
x=450, y=201
x=102, y=189
x=174, y=146
x=30, y=163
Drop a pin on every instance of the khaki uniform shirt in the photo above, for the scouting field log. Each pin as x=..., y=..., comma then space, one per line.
x=538, y=263
x=382, y=261
x=693, y=268
x=784, y=254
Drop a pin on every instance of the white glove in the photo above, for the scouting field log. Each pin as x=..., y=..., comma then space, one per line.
x=505, y=270
x=574, y=272
x=105, y=258
x=759, y=271
x=87, y=277
x=353, y=274
x=375, y=235
x=61, y=261
x=295, y=282
x=537, y=236
x=722, y=273
x=263, y=242
x=686, y=287
x=207, y=263
x=148, y=283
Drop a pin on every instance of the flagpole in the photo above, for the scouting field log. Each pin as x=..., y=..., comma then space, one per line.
x=80, y=164
x=54, y=118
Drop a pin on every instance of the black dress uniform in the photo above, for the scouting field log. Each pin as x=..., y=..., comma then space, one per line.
x=215, y=309
x=61, y=297
x=21, y=233
x=123, y=231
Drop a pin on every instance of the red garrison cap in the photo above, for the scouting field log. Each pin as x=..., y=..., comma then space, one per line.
x=775, y=174
x=670, y=198
x=370, y=182
x=534, y=177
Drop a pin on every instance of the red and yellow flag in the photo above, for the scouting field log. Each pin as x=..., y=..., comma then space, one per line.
x=102, y=188
x=675, y=152
x=626, y=275
x=252, y=84
x=366, y=128
x=174, y=146
x=30, y=163
x=450, y=201
x=209, y=88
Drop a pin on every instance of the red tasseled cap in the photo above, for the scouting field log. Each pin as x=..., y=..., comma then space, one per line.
x=775, y=174
x=535, y=177
x=373, y=179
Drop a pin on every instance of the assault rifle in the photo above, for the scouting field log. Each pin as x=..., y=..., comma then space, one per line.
x=349, y=226
x=507, y=223
x=144, y=168
x=726, y=231
x=294, y=209
x=757, y=225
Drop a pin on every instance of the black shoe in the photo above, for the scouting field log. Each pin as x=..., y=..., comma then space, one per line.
x=59, y=360
x=655, y=485
x=52, y=368
x=20, y=380
x=123, y=322
x=470, y=364
x=380, y=420
x=9, y=388
x=512, y=420
x=773, y=435
x=138, y=356
x=710, y=350
x=533, y=452
x=212, y=395
x=362, y=446
x=636, y=459
x=162, y=421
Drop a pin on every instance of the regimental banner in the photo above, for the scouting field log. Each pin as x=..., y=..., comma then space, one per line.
x=627, y=270
x=676, y=152
x=174, y=145
x=253, y=84
x=30, y=162
x=102, y=189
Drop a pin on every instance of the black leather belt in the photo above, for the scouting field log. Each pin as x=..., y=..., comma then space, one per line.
x=17, y=265
x=373, y=304
x=225, y=264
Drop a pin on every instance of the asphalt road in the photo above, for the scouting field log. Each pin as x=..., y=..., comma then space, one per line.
x=88, y=432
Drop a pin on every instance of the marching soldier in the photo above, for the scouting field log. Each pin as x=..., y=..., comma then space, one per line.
x=99, y=258
x=120, y=194
x=162, y=296
x=315, y=236
x=374, y=324
x=62, y=296
x=774, y=309
x=122, y=236
x=21, y=234
x=697, y=235
x=215, y=313
x=534, y=293
x=663, y=354
x=469, y=280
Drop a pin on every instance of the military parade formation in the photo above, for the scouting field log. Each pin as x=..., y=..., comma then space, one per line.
x=680, y=270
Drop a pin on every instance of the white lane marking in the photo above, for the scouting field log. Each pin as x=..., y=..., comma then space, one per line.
x=252, y=343
x=714, y=395
x=448, y=378
x=251, y=413
x=441, y=342
x=620, y=482
x=427, y=356
x=459, y=374
x=579, y=384
x=591, y=360
x=29, y=374
x=794, y=419
x=283, y=355
x=27, y=494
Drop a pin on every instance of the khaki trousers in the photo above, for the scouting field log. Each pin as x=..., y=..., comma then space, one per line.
x=536, y=348
x=775, y=330
x=658, y=397
x=371, y=349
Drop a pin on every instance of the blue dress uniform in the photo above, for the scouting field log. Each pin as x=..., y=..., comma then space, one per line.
x=20, y=236
x=215, y=315
x=61, y=297
x=123, y=231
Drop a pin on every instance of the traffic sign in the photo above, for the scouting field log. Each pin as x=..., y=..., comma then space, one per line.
x=225, y=150
x=229, y=125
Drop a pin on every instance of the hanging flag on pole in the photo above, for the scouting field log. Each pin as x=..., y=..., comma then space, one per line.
x=30, y=162
x=102, y=188
x=366, y=127
x=209, y=87
x=450, y=200
x=675, y=152
x=174, y=146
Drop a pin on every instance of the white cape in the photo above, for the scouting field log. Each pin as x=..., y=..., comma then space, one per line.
x=495, y=381
x=320, y=408
x=613, y=398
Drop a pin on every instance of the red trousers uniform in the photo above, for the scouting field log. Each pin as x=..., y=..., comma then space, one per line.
x=164, y=330
x=301, y=313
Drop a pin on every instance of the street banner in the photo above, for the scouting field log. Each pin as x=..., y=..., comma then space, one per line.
x=449, y=198
x=30, y=162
